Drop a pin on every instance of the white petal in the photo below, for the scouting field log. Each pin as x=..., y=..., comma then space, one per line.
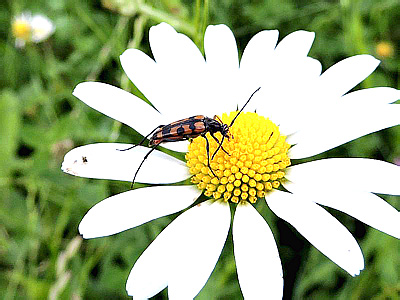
x=198, y=246
x=183, y=255
x=259, y=49
x=181, y=146
x=135, y=207
x=313, y=68
x=20, y=43
x=119, y=105
x=256, y=254
x=149, y=275
x=42, y=28
x=319, y=228
x=156, y=83
x=25, y=17
x=171, y=48
x=143, y=72
x=224, y=85
x=178, y=60
x=256, y=61
x=364, y=206
x=346, y=74
x=126, y=108
x=105, y=161
x=220, y=48
x=297, y=44
x=359, y=174
x=371, y=96
x=290, y=63
x=335, y=125
x=281, y=104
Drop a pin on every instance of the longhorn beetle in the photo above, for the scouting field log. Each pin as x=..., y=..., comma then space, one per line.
x=189, y=128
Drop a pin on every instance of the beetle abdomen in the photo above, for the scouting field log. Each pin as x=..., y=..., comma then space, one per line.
x=179, y=130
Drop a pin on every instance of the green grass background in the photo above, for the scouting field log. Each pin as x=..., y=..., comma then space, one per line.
x=41, y=253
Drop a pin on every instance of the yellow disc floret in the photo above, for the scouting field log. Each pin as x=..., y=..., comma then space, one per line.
x=21, y=29
x=255, y=164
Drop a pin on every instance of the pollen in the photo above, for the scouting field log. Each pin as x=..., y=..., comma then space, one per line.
x=252, y=162
x=21, y=29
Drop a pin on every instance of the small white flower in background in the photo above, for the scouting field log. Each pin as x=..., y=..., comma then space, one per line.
x=315, y=112
x=31, y=28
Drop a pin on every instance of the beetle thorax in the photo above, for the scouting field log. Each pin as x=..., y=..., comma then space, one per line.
x=214, y=126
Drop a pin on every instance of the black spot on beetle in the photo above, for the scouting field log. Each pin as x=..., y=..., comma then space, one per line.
x=192, y=126
x=180, y=130
x=166, y=129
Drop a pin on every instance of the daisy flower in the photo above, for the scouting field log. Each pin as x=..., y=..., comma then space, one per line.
x=299, y=113
x=31, y=28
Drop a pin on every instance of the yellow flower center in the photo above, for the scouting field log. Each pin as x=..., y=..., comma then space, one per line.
x=21, y=29
x=385, y=49
x=255, y=165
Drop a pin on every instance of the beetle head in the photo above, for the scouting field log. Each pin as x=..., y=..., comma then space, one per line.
x=225, y=131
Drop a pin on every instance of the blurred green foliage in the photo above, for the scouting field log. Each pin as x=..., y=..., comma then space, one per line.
x=41, y=253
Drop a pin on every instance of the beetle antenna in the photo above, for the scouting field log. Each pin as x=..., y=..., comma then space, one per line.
x=144, y=158
x=244, y=106
x=142, y=141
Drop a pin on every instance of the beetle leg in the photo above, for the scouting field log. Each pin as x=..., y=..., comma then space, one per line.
x=218, y=119
x=144, y=158
x=208, y=155
x=219, y=145
x=142, y=141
